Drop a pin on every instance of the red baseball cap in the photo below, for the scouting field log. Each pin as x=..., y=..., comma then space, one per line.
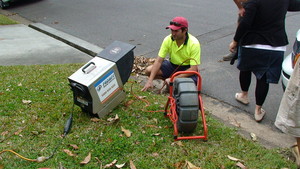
x=177, y=23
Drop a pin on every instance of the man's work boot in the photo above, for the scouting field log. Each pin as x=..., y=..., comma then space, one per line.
x=228, y=57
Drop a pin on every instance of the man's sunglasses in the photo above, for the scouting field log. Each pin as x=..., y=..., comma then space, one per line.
x=175, y=23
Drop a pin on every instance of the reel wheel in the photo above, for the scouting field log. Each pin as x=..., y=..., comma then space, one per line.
x=187, y=104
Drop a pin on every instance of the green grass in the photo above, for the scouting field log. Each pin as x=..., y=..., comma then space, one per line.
x=4, y=20
x=35, y=129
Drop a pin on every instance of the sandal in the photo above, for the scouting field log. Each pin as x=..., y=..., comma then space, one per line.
x=241, y=99
x=259, y=117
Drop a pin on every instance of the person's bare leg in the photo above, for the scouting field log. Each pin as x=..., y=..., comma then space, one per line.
x=258, y=109
x=148, y=72
x=298, y=143
x=259, y=113
x=245, y=81
x=296, y=150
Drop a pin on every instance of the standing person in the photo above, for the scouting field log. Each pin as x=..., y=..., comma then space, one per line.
x=288, y=117
x=183, y=50
x=241, y=13
x=262, y=40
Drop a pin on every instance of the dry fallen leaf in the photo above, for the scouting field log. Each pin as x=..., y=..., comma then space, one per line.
x=100, y=163
x=95, y=119
x=111, y=164
x=152, y=60
x=115, y=119
x=235, y=122
x=191, y=166
x=253, y=137
x=26, y=101
x=87, y=159
x=4, y=133
x=155, y=154
x=140, y=64
x=75, y=147
x=69, y=152
x=141, y=68
x=120, y=165
x=18, y=132
x=153, y=126
x=141, y=97
x=179, y=143
x=132, y=166
x=179, y=165
x=35, y=132
x=233, y=158
x=239, y=164
x=128, y=103
x=126, y=132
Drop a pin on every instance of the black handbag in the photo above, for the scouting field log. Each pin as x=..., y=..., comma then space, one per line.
x=294, y=6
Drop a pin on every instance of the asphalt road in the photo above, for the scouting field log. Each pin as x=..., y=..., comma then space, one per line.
x=142, y=23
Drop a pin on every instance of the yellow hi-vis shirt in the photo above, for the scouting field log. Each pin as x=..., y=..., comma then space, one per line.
x=187, y=54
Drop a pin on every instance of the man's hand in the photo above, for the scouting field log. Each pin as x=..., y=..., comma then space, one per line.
x=168, y=81
x=242, y=12
x=148, y=85
x=233, y=46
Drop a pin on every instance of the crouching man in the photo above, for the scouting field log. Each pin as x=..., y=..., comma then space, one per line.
x=183, y=50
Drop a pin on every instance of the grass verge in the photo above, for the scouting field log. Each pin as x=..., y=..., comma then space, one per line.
x=36, y=101
x=6, y=21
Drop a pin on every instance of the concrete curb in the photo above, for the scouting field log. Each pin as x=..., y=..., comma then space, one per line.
x=75, y=42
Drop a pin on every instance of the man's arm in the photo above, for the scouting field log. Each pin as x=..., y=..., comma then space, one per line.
x=154, y=72
x=240, y=6
x=238, y=3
